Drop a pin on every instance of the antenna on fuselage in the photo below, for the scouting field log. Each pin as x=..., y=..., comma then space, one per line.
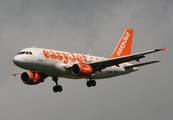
x=34, y=46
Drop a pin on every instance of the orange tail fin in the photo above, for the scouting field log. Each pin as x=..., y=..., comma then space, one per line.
x=124, y=45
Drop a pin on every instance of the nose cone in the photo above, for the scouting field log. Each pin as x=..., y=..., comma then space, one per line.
x=18, y=60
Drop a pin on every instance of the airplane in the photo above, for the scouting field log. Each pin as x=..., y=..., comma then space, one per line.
x=41, y=63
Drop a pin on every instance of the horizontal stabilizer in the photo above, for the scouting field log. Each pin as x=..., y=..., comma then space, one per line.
x=141, y=64
x=14, y=74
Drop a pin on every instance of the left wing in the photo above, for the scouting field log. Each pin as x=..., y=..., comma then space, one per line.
x=98, y=65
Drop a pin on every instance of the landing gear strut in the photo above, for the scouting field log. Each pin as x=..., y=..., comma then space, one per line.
x=91, y=82
x=56, y=88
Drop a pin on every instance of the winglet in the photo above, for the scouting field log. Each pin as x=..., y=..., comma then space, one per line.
x=164, y=49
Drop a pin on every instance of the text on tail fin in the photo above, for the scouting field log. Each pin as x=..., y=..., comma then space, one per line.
x=124, y=45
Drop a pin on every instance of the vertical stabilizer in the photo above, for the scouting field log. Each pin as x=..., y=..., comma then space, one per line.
x=124, y=45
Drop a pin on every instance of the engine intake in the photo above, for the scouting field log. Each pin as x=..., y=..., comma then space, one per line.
x=31, y=78
x=81, y=70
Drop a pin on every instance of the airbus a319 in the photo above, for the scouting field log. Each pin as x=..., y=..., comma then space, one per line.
x=41, y=63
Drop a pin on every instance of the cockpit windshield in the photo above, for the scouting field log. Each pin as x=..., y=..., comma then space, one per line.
x=24, y=52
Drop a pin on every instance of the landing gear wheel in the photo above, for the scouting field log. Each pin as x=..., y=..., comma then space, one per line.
x=91, y=83
x=57, y=88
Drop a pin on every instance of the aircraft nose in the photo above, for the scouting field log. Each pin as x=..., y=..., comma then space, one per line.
x=17, y=60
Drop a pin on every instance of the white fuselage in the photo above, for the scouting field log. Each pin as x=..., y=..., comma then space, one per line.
x=56, y=63
x=42, y=63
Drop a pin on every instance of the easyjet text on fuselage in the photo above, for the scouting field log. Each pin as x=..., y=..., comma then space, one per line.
x=67, y=57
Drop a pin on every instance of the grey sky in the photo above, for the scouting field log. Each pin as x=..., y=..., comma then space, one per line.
x=90, y=26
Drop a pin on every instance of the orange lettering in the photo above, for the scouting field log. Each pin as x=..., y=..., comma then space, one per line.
x=85, y=58
x=91, y=59
x=46, y=54
x=53, y=56
x=59, y=56
x=97, y=59
x=73, y=58
x=66, y=58
x=79, y=58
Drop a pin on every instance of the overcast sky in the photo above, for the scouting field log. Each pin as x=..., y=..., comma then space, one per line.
x=88, y=26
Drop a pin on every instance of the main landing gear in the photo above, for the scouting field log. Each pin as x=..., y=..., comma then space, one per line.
x=56, y=88
x=91, y=82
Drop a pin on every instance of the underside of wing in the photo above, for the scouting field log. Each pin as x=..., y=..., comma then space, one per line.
x=141, y=64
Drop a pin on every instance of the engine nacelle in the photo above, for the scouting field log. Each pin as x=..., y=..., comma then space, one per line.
x=31, y=78
x=81, y=69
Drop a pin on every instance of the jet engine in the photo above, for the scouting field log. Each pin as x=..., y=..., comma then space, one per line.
x=31, y=78
x=81, y=69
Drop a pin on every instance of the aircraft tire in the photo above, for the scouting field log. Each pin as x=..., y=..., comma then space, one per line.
x=60, y=88
x=57, y=88
x=89, y=83
x=93, y=83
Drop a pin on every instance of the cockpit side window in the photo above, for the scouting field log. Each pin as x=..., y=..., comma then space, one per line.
x=25, y=52
x=30, y=53
x=22, y=52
